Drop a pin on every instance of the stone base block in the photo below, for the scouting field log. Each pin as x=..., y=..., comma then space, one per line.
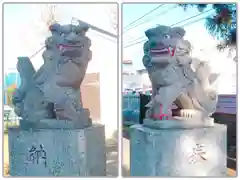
x=55, y=124
x=57, y=152
x=178, y=152
x=178, y=124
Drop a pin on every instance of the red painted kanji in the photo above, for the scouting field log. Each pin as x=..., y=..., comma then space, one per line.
x=161, y=115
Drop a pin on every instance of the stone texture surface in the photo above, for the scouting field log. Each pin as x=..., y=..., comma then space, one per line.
x=69, y=152
x=176, y=124
x=167, y=152
x=54, y=124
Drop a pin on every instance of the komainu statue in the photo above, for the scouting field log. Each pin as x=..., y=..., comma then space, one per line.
x=53, y=92
x=177, y=77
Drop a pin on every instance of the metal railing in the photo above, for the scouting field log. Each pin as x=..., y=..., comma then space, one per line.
x=132, y=103
x=131, y=109
x=10, y=118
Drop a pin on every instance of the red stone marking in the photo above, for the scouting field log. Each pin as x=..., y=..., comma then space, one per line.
x=161, y=115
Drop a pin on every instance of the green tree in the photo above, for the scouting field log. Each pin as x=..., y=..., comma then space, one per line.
x=222, y=24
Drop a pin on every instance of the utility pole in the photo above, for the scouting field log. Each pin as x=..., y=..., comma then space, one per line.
x=96, y=28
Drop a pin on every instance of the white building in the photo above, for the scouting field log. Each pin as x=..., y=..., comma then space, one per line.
x=145, y=81
x=130, y=77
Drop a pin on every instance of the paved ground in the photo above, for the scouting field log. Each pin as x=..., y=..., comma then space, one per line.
x=112, y=159
x=125, y=157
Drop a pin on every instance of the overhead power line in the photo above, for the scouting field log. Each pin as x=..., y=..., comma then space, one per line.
x=37, y=52
x=192, y=22
x=187, y=24
x=151, y=18
x=102, y=36
x=177, y=23
x=191, y=17
x=134, y=40
x=149, y=12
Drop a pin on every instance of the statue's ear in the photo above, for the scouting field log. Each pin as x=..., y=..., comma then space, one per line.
x=213, y=77
x=151, y=32
x=180, y=31
x=148, y=33
x=55, y=27
x=84, y=27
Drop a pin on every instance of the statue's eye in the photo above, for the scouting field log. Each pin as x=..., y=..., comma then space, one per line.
x=166, y=36
x=179, y=34
x=79, y=33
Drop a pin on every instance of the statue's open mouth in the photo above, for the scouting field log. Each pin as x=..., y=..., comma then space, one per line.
x=162, y=51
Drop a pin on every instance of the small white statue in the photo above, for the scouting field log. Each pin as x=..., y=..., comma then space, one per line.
x=177, y=77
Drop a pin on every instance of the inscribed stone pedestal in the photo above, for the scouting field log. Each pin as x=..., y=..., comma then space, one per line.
x=170, y=152
x=57, y=152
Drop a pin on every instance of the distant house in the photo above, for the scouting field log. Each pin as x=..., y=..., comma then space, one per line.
x=144, y=78
x=127, y=66
x=134, y=78
x=90, y=92
x=130, y=78
x=142, y=71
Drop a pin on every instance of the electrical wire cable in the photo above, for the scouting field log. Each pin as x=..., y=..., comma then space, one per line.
x=149, y=12
x=99, y=35
x=176, y=23
x=171, y=26
x=150, y=19
x=187, y=24
x=37, y=52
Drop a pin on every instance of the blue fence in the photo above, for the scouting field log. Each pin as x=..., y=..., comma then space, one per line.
x=131, y=109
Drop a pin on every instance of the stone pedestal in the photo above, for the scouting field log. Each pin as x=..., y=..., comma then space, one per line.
x=178, y=152
x=57, y=152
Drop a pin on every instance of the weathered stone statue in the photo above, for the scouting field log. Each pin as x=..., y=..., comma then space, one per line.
x=177, y=77
x=56, y=136
x=185, y=143
x=53, y=92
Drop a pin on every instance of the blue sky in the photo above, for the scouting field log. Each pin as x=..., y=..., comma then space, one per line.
x=204, y=45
